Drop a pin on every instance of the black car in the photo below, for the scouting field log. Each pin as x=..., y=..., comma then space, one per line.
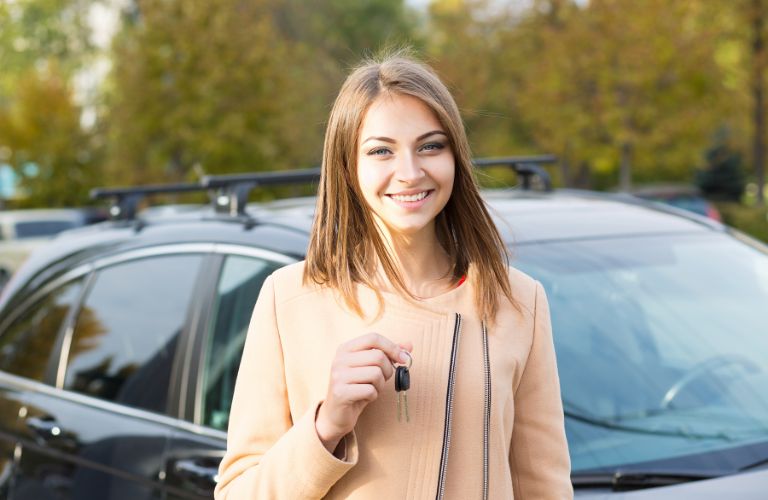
x=685, y=197
x=120, y=342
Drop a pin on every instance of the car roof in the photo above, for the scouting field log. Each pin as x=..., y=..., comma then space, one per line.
x=526, y=217
x=35, y=214
x=283, y=226
x=531, y=217
x=523, y=217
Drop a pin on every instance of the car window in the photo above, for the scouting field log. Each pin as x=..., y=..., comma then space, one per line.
x=239, y=284
x=126, y=333
x=38, y=229
x=26, y=345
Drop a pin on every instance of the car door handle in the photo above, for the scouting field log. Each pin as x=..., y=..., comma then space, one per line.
x=193, y=471
x=46, y=428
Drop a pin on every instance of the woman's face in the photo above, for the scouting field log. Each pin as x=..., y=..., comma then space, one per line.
x=405, y=165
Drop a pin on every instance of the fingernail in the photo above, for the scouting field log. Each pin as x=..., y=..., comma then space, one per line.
x=403, y=357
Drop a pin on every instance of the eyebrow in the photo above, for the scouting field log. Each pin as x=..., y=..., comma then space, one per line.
x=392, y=141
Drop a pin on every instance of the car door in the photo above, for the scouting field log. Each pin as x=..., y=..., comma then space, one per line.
x=27, y=348
x=102, y=430
x=196, y=449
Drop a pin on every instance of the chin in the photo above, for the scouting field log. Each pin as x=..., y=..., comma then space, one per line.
x=407, y=229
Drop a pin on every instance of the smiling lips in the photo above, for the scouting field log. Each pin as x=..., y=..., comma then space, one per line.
x=410, y=198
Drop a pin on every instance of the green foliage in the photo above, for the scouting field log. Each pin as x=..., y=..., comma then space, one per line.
x=750, y=220
x=230, y=85
x=466, y=45
x=596, y=87
x=344, y=30
x=43, y=43
x=46, y=143
x=35, y=31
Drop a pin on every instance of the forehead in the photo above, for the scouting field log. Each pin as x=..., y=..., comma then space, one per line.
x=392, y=114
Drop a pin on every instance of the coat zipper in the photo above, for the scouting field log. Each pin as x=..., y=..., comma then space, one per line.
x=449, y=408
x=487, y=420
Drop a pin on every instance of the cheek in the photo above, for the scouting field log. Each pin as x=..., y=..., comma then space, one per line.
x=370, y=180
x=450, y=180
x=446, y=180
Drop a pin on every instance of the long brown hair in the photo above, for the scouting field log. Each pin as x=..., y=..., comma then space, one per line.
x=345, y=241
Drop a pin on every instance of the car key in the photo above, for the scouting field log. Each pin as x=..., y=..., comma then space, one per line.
x=402, y=384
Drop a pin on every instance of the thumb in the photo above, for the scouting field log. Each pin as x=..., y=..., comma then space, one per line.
x=408, y=346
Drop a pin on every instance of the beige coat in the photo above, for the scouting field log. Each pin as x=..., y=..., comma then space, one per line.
x=273, y=451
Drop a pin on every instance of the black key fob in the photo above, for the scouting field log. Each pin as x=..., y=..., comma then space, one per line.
x=402, y=379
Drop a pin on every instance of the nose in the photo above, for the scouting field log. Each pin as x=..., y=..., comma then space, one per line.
x=408, y=170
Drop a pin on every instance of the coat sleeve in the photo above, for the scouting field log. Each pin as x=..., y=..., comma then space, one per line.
x=269, y=455
x=538, y=457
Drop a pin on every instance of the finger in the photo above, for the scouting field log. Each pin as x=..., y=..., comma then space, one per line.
x=362, y=392
x=371, y=357
x=377, y=341
x=365, y=375
x=407, y=346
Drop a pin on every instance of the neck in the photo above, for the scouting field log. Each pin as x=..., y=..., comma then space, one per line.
x=423, y=263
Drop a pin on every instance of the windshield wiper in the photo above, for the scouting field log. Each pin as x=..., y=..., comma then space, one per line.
x=754, y=465
x=629, y=480
x=574, y=412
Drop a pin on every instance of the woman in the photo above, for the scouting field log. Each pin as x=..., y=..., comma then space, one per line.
x=405, y=267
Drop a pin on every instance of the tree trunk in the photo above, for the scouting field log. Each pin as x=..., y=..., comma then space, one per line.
x=758, y=70
x=583, y=178
x=625, y=167
x=565, y=173
x=565, y=167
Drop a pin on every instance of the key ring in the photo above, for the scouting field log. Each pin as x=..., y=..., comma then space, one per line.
x=410, y=359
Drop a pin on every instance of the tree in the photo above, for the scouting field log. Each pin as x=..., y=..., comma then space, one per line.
x=39, y=31
x=758, y=14
x=723, y=177
x=48, y=148
x=465, y=44
x=345, y=30
x=43, y=44
x=231, y=85
x=635, y=98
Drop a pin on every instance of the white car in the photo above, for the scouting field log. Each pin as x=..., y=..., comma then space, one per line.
x=22, y=231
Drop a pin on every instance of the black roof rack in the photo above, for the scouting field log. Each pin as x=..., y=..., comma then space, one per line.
x=240, y=185
x=526, y=167
x=127, y=199
x=233, y=189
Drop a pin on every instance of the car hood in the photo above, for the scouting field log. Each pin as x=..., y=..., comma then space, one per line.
x=744, y=486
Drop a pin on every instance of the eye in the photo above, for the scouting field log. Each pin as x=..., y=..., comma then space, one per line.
x=379, y=151
x=432, y=146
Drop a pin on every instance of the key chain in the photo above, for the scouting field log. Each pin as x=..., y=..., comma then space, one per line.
x=402, y=384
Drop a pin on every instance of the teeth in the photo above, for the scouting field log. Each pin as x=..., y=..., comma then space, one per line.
x=410, y=197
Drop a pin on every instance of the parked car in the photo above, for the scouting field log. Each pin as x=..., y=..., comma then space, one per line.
x=120, y=343
x=683, y=196
x=21, y=231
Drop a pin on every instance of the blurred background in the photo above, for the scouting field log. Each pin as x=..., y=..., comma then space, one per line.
x=656, y=97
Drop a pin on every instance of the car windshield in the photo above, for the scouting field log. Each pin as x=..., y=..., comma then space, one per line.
x=662, y=345
x=42, y=228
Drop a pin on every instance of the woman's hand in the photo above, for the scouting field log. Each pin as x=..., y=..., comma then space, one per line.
x=358, y=373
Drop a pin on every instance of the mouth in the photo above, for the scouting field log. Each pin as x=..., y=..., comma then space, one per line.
x=411, y=197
